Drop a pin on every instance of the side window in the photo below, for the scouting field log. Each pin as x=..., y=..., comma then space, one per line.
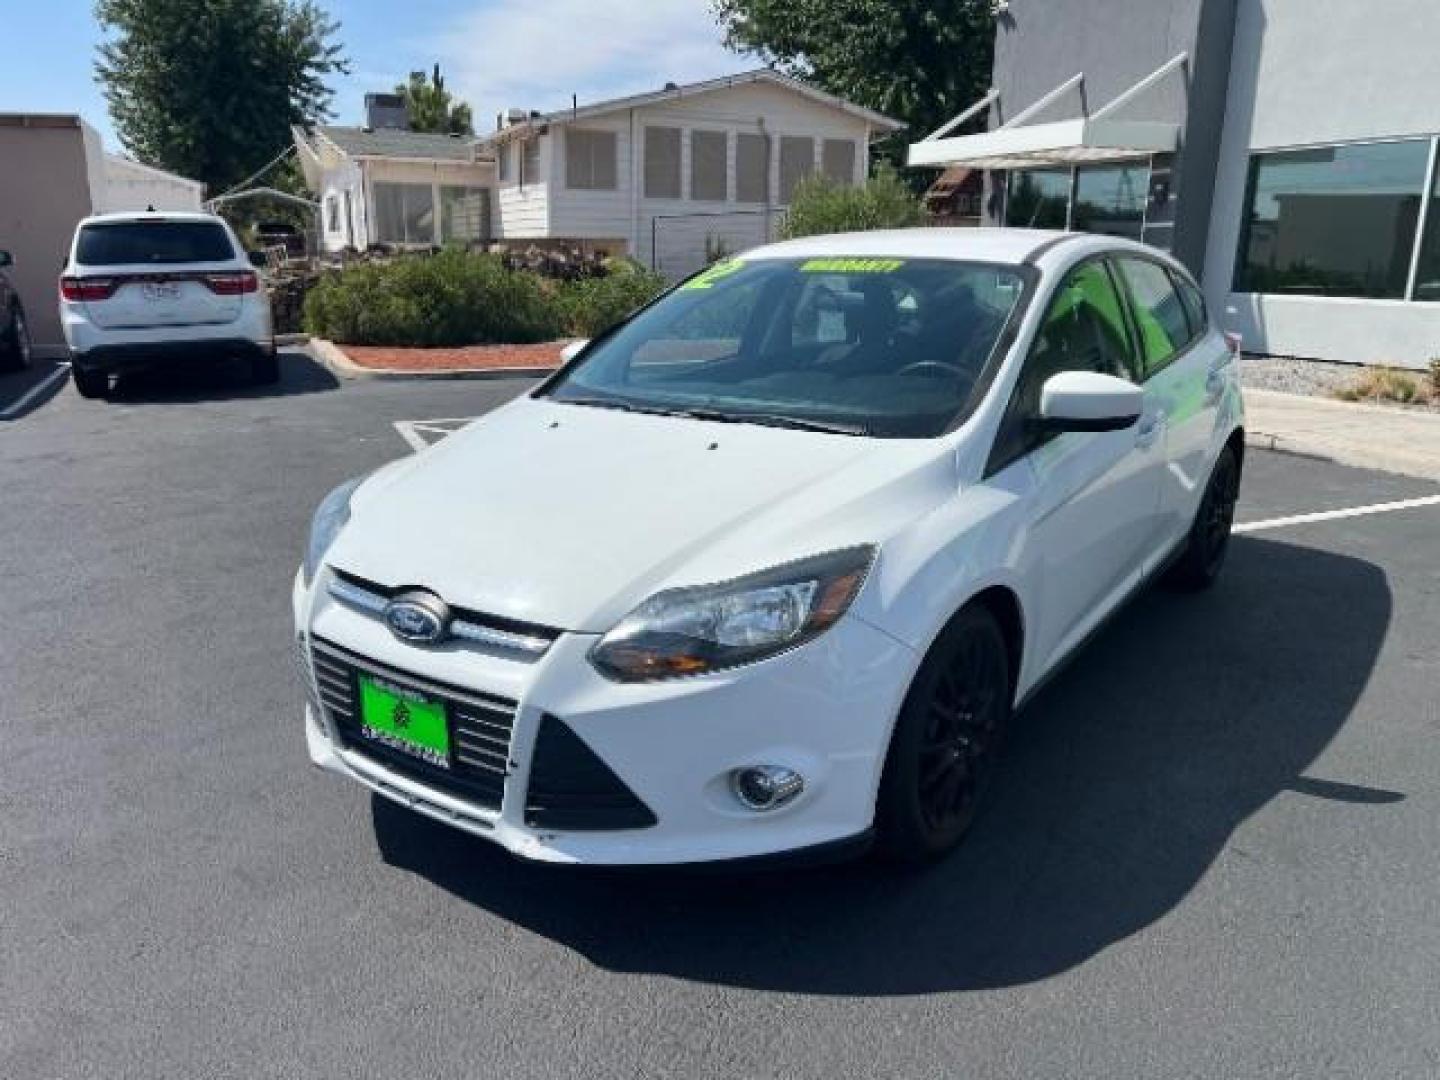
x=1159, y=313
x=1194, y=307
x=1084, y=330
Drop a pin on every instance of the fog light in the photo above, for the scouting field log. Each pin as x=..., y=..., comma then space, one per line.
x=766, y=787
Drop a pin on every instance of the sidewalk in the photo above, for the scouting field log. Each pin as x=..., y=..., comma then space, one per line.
x=1366, y=436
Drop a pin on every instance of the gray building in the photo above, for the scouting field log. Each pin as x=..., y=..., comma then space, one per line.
x=1284, y=150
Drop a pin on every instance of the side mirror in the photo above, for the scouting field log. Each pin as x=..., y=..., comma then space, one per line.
x=1089, y=401
x=6, y=260
x=573, y=350
x=258, y=259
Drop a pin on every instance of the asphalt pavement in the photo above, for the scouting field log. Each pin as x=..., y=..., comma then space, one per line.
x=1212, y=851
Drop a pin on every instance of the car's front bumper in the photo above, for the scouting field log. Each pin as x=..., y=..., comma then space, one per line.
x=824, y=710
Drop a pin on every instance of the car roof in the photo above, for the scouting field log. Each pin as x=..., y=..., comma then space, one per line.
x=988, y=245
x=150, y=215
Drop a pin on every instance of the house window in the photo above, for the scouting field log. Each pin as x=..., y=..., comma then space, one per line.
x=530, y=163
x=1038, y=199
x=1333, y=220
x=463, y=213
x=590, y=160
x=752, y=169
x=505, y=164
x=837, y=161
x=404, y=213
x=662, y=163
x=709, y=165
x=1111, y=200
x=332, y=214
x=797, y=161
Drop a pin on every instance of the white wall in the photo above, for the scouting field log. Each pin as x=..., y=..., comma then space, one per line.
x=1322, y=71
x=129, y=185
x=522, y=211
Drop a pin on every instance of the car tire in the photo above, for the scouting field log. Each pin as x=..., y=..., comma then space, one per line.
x=91, y=384
x=17, y=348
x=265, y=369
x=1208, y=541
x=946, y=741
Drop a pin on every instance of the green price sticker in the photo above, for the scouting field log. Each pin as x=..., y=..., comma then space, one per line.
x=719, y=272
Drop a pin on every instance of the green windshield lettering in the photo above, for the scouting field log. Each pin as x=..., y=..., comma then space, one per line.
x=851, y=266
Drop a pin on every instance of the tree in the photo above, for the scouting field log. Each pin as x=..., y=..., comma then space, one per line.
x=820, y=205
x=920, y=61
x=431, y=106
x=210, y=88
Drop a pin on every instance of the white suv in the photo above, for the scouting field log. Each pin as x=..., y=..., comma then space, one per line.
x=770, y=565
x=144, y=289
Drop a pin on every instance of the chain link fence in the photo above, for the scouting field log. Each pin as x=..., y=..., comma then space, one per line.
x=681, y=244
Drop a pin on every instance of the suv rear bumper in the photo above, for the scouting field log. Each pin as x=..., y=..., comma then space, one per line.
x=131, y=357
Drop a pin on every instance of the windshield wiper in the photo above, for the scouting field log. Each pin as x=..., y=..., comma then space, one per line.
x=795, y=423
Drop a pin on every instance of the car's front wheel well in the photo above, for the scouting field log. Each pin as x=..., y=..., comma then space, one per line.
x=1004, y=605
x=1236, y=442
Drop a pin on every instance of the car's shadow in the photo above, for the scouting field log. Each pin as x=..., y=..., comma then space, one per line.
x=224, y=380
x=1121, y=784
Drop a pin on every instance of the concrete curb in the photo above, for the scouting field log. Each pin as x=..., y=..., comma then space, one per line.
x=1401, y=441
x=341, y=366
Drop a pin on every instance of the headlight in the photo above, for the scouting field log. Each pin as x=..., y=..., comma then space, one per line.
x=330, y=517
x=693, y=631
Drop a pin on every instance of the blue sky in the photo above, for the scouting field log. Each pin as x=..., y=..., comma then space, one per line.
x=495, y=53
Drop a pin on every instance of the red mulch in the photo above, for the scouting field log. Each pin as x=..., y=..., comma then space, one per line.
x=469, y=357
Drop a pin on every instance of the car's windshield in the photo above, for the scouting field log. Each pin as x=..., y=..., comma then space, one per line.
x=118, y=243
x=890, y=347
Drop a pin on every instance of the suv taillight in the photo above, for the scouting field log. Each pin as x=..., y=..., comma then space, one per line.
x=232, y=284
x=95, y=288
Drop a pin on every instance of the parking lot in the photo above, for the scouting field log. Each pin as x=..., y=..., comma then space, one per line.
x=1212, y=849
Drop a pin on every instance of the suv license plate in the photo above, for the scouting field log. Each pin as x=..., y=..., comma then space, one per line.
x=404, y=720
x=160, y=291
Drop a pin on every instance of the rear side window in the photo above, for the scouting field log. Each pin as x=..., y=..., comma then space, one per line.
x=1159, y=313
x=156, y=242
x=1194, y=306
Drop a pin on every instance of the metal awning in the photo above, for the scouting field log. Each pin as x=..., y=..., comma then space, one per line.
x=1091, y=139
x=1063, y=143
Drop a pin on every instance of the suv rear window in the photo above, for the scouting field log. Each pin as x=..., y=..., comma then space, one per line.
x=152, y=242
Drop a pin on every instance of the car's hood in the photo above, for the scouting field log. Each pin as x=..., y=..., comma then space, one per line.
x=569, y=516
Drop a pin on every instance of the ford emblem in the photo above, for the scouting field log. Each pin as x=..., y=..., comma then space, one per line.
x=420, y=618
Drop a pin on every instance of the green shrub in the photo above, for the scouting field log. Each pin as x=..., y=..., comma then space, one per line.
x=451, y=298
x=590, y=305
x=820, y=205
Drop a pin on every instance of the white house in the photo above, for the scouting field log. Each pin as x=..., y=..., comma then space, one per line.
x=385, y=184
x=666, y=177
x=663, y=175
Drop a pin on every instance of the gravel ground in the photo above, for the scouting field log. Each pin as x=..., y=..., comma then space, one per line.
x=1313, y=378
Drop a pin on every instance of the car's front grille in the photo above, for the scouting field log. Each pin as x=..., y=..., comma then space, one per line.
x=480, y=725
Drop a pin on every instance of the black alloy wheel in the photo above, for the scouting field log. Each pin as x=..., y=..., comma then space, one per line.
x=1209, y=542
x=946, y=741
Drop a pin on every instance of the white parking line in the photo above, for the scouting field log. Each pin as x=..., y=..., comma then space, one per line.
x=44, y=386
x=1335, y=515
x=419, y=434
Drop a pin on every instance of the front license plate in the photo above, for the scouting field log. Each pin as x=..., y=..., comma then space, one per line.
x=160, y=291
x=404, y=720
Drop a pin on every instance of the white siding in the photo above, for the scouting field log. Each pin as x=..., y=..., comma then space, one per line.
x=684, y=223
x=523, y=212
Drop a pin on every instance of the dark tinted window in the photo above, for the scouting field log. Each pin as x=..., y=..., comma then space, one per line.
x=1194, y=306
x=1334, y=220
x=1111, y=200
x=1084, y=330
x=153, y=242
x=1038, y=200
x=1159, y=313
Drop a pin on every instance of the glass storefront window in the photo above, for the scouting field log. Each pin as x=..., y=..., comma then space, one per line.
x=1333, y=221
x=1037, y=199
x=1111, y=200
x=1427, y=280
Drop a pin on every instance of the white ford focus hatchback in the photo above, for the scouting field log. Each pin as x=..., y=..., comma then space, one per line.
x=769, y=566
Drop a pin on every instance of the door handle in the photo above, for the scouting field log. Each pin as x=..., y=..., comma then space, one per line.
x=1148, y=431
